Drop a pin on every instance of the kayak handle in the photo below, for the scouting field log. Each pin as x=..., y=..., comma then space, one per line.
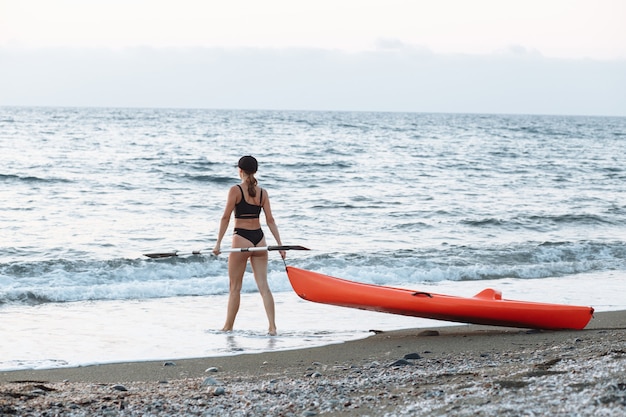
x=415, y=294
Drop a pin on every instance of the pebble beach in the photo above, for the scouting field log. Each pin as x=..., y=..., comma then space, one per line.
x=453, y=371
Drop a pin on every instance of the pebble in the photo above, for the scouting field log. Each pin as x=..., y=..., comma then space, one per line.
x=400, y=362
x=412, y=356
x=211, y=381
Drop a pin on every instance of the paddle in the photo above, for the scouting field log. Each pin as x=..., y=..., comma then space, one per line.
x=250, y=249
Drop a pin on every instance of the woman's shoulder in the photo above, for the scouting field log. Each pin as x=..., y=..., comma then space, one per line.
x=263, y=194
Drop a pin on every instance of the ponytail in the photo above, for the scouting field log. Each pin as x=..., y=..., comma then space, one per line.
x=252, y=182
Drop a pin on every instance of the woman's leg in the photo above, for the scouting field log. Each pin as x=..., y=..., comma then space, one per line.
x=258, y=261
x=237, y=262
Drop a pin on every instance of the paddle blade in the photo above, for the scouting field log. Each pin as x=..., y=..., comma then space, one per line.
x=287, y=247
x=160, y=255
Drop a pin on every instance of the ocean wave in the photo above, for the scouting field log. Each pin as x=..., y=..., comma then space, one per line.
x=64, y=280
x=31, y=179
x=215, y=179
x=461, y=263
x=315, y=166
x=540, y=222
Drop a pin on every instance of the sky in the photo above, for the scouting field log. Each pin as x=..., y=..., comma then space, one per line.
x=480, y=56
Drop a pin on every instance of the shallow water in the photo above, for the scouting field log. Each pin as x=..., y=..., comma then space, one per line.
x=91, y=332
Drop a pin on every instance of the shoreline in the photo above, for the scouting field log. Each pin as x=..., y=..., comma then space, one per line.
x=370, y=347
x=456, y=370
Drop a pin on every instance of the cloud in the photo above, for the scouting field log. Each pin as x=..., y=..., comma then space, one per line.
x=394, y=77
x=394, y=44
x=519, y=51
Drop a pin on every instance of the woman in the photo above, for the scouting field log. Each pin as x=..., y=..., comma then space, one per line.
x=246, y=200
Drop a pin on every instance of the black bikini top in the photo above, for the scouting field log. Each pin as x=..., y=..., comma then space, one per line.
x=244, y=210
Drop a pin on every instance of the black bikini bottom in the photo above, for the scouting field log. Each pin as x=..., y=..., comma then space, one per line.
x=254, y=236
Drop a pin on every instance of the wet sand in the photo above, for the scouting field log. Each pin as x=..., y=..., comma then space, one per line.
x=460, y=370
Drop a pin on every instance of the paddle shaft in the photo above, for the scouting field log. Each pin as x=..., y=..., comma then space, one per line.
x=249, y=249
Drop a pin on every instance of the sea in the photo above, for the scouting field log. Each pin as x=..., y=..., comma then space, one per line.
x=531, y=205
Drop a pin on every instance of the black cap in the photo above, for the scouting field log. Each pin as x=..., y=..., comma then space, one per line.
x=248, y=164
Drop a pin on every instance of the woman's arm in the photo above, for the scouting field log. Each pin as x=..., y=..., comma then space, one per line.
x=271, y=223
x=231, y=200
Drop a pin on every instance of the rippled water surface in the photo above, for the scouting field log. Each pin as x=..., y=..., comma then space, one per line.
x=388, y=198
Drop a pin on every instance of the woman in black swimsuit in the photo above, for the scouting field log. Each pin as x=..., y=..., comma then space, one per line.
x=247, y=200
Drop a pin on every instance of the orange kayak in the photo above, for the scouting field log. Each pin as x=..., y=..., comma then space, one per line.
x=487, y=307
